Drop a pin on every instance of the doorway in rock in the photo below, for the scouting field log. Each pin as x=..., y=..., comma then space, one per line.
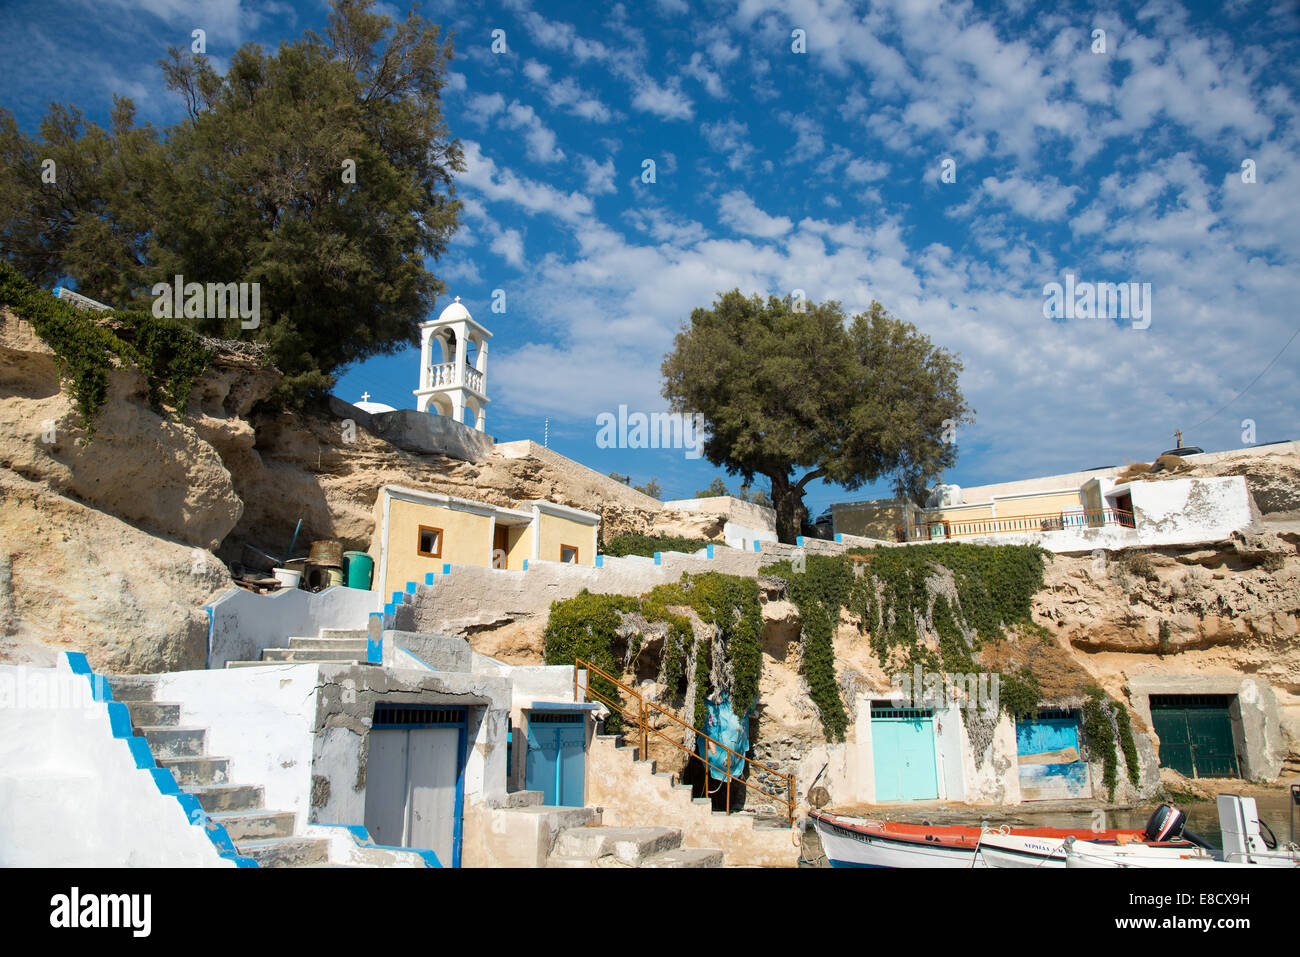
x=1196, y=734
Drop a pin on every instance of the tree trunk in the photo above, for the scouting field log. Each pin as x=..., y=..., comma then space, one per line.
x=787, y=499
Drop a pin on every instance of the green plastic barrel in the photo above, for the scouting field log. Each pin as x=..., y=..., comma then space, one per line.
x=359, y=568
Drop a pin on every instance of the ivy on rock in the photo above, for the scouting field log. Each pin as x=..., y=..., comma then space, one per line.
x=86, y=346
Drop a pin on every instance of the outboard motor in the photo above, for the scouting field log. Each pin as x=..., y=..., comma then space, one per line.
x=1167, y=823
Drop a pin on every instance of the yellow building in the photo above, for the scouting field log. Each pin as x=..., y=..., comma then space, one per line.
x=419, y=532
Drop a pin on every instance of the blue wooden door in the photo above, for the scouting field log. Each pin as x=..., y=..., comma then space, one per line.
x=902, y=746
x=557, y=757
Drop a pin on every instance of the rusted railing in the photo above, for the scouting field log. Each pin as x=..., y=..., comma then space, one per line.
x=639, y=717
x=1047, y=522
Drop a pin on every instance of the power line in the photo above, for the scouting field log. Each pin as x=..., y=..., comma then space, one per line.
x=1252, y=381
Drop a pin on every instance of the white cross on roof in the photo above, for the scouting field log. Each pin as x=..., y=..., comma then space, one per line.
x=365, y=396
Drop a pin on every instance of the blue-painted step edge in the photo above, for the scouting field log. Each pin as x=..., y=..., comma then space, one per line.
x=119, y=721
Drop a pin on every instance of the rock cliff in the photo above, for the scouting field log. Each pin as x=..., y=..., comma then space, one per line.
x=113, y=546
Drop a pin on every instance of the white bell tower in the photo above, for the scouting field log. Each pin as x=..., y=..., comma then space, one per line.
x=452, y=382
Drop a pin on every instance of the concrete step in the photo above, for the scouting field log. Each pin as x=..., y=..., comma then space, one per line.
x=201, y=770
x=153, y=714
x=132, y=687
x=525, y=798
x=608, y=860
x=295, y=655
x=267, y=664
x=286, y=851
x=560, y=818
x=227, y=797
x=174, y=742
x=256, y=824
x=685, y=857
x=355, y=634
x=702, y=802
x=630, y=845
x=328, y=644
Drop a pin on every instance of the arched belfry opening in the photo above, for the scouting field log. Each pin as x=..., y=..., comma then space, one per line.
x=453, y=367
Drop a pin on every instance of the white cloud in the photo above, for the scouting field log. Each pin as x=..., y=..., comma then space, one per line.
x=740, y=213
x=600, y=176
x=729, y=136
x=503, y=185
x=567, y=94
x=665, y=102
x=509, y=245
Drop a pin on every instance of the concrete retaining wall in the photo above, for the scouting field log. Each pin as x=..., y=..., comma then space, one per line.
x=242, y=624
x=464, y=593
x=419, y=432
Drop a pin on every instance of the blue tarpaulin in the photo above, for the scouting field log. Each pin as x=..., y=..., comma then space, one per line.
x=726, y=727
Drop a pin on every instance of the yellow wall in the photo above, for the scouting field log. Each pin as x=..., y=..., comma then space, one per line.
x=1038, y=504
x=466, y=540
x=520, y=546
x=975, y=513
x=1007, y=508
x=557, y=530
x=870, y=521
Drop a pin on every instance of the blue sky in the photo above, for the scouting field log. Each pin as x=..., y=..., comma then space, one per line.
x=822, y=171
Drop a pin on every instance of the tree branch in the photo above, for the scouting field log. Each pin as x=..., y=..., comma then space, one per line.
x=815, y=473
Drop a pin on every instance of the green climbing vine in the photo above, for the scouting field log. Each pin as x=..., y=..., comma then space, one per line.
x=86, y=347
x=1109, y=731
x=819, y=591
x=960, y=595
x=588, y=626
x=1126, y=742
x=647, y=545
x=1019, y=693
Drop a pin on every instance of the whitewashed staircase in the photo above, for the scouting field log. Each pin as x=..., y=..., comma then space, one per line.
x=265, y=835
x=270, y=837
x=334, y=645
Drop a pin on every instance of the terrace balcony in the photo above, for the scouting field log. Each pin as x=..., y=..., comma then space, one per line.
x=1078, y=519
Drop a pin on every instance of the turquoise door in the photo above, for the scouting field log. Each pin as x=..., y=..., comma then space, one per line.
x=557, y=756
x=902, y=746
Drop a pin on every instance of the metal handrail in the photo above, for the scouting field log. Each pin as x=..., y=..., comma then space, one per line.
x=1045, y=521
x=644, y=728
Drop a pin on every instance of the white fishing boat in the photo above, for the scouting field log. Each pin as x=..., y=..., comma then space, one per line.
x=1247, y=842
x=1002, y=848
x=856, y=842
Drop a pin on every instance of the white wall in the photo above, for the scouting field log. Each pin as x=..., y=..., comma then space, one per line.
x=243, y=623
x=1189, y=510
x=70, y=793
x=951, y=746
x=262, y=719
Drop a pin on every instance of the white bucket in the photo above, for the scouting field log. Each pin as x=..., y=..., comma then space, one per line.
x=287, y=577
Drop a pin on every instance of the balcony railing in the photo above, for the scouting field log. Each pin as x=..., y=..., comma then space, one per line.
x=941, y=529
x=444, y=374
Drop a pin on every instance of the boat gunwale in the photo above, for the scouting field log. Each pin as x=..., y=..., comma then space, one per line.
x=963, y=837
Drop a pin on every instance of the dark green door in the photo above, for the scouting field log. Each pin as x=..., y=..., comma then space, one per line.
x=1195, y=734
